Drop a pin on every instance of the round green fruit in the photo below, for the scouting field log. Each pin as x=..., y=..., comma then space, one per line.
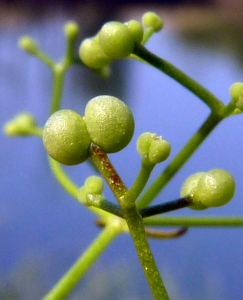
x=109, y=122
x=116, y=40
x=66, y=138
x=92, y=55
x=215, y=188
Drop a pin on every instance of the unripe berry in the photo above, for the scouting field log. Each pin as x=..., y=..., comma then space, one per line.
x=92, y=55
x=159, y=150
x=152, y=147
x=94, y=185
x=28, y=45
x=109, y=122
x=116, y=40
x=136, y=30
x=21, y=125
x=215, y=188
x=71, y=29
x=236, y=93
x=151, y=19
x=66, y=138
x=91, y=190
x=209, y=189
x=143, y=143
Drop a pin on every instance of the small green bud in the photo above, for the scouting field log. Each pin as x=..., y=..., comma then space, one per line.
x=21, y=125
x=153, y=147
x=94, y=185
x=209, y=189
x=136, y=30
x=109, y=122
x=91, y=191
x=116, y=40
x=236, y=93
x=66, y=138
x=144, y=142
x=92, y=55
x=159, y=150
x=27, y=44
x=71, y=29
x=151, y=19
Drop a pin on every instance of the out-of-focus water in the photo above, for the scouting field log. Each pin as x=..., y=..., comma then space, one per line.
x=43, y=230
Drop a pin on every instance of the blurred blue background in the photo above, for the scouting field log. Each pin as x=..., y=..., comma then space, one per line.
x=43, y=230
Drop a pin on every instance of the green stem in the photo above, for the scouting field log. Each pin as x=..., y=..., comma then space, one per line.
x=137, y=231
x=45, y=59
x=223, y=221
x=36, y=131
x=58, y=73
x=140, y=182
x=207, y=97
x=105, y=167
x=134, y=222
x=82, y=265
x=180, y=159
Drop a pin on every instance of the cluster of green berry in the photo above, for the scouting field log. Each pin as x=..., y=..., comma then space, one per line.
x=117, y=40
x=107, y=122
x=209, y=189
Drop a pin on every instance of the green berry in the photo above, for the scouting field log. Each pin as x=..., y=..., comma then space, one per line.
x=21, y=125
x=94, y=185
x=71, y=29
x=91, y=190
x=144, y=142
x=151, y=19
x=92, y=55
x=209, y=189
x=236, y=93
x=66, y=138
x=152, y=147
x=136, y=30
x=188, y=189
x=159, y=150
x=116, y=40
x=215, y=188
x=109, y=122
x=28, y=45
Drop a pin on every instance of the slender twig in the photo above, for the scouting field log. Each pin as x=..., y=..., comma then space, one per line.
x=207, y=97
x=164, y=207
x=159, y=234
x=75, y=273
x=201, y=221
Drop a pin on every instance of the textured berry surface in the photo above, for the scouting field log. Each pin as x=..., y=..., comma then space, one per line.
x=65, y=137
x=116, y=40
x=209, y=189
x=92, y=55
x=215, y=188
x=109, y=122
x=159, y=150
